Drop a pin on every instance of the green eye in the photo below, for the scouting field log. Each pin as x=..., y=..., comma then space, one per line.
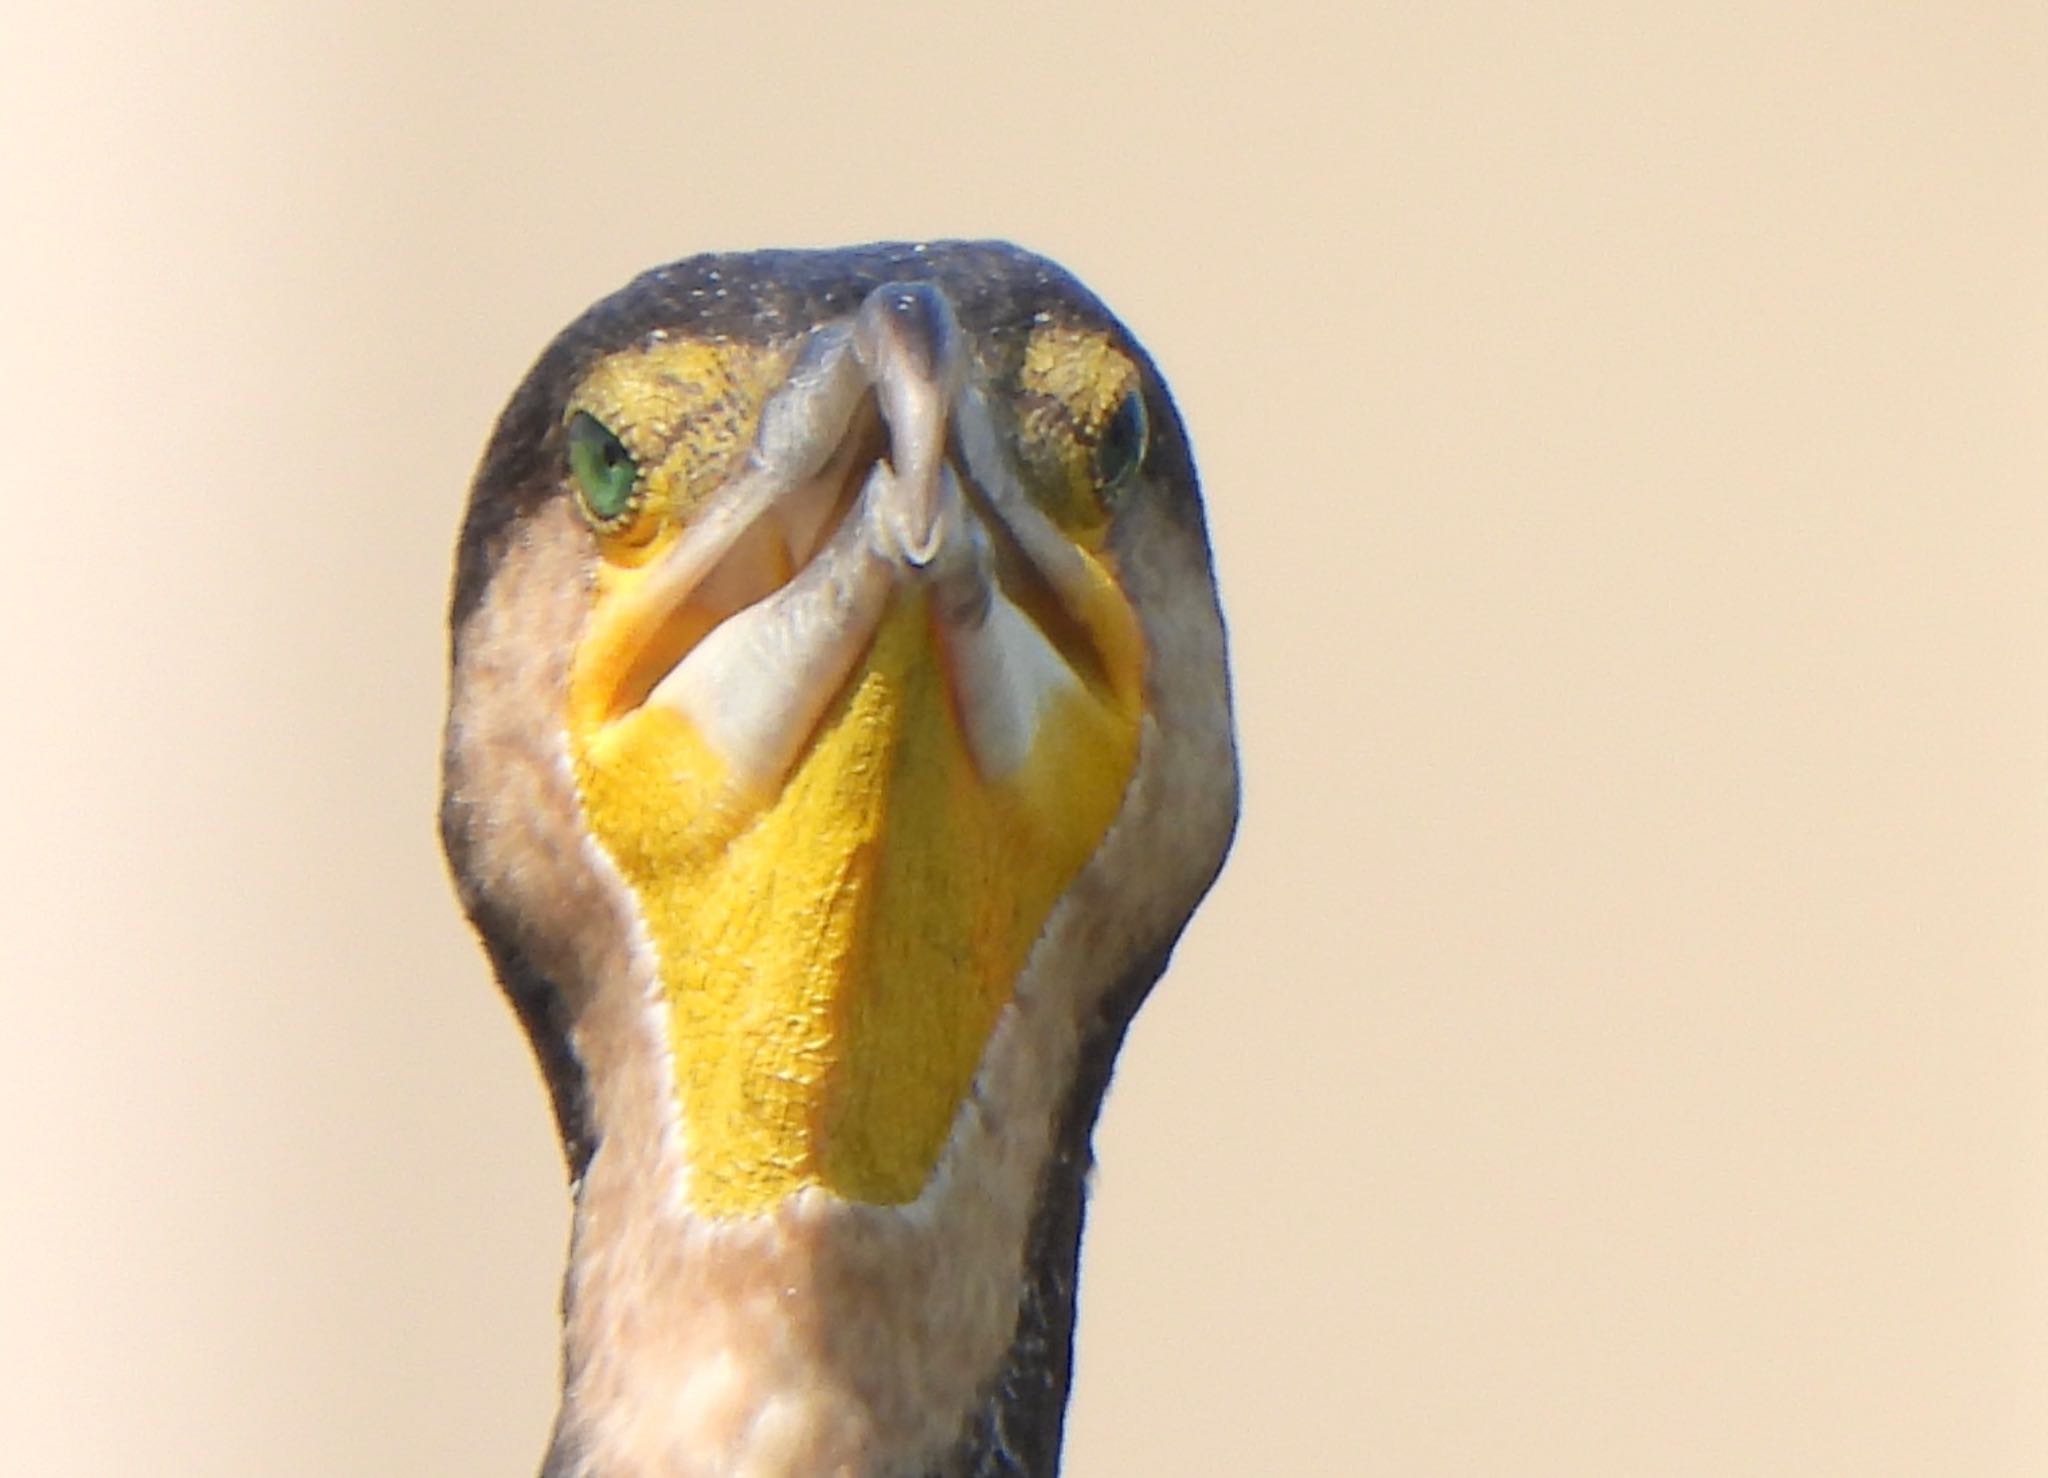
x=606, y=476
x=1121, y=448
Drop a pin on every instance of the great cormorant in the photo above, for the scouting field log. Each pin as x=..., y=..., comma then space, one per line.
x=839, y=739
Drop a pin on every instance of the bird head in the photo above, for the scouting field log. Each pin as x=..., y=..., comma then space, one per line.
x=839, y=738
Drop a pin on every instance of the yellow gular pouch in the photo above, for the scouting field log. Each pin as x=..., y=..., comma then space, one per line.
x=833, y=956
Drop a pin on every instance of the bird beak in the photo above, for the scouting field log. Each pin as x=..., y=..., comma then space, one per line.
x=855, y=501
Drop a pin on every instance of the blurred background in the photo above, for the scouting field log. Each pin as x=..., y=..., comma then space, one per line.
x=1617, y=1046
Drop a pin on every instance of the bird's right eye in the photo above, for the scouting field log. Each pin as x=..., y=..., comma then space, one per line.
x=607, y=478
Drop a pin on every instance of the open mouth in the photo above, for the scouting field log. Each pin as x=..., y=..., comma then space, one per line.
x=877, y=475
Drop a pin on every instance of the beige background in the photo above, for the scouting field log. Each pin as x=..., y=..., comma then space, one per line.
x=1618, y=1046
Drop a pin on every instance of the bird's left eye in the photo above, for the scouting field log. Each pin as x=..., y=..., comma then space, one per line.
x=607, y=478
x=1121, y=448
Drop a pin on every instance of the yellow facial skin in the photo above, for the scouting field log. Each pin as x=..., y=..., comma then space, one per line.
x=833, y=955
x=1071, y=383
x=686, y=412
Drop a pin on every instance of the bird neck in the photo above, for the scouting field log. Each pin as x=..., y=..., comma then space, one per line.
x=827, y=1336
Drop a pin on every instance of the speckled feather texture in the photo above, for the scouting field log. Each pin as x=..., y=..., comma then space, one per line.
x=933, y=1337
